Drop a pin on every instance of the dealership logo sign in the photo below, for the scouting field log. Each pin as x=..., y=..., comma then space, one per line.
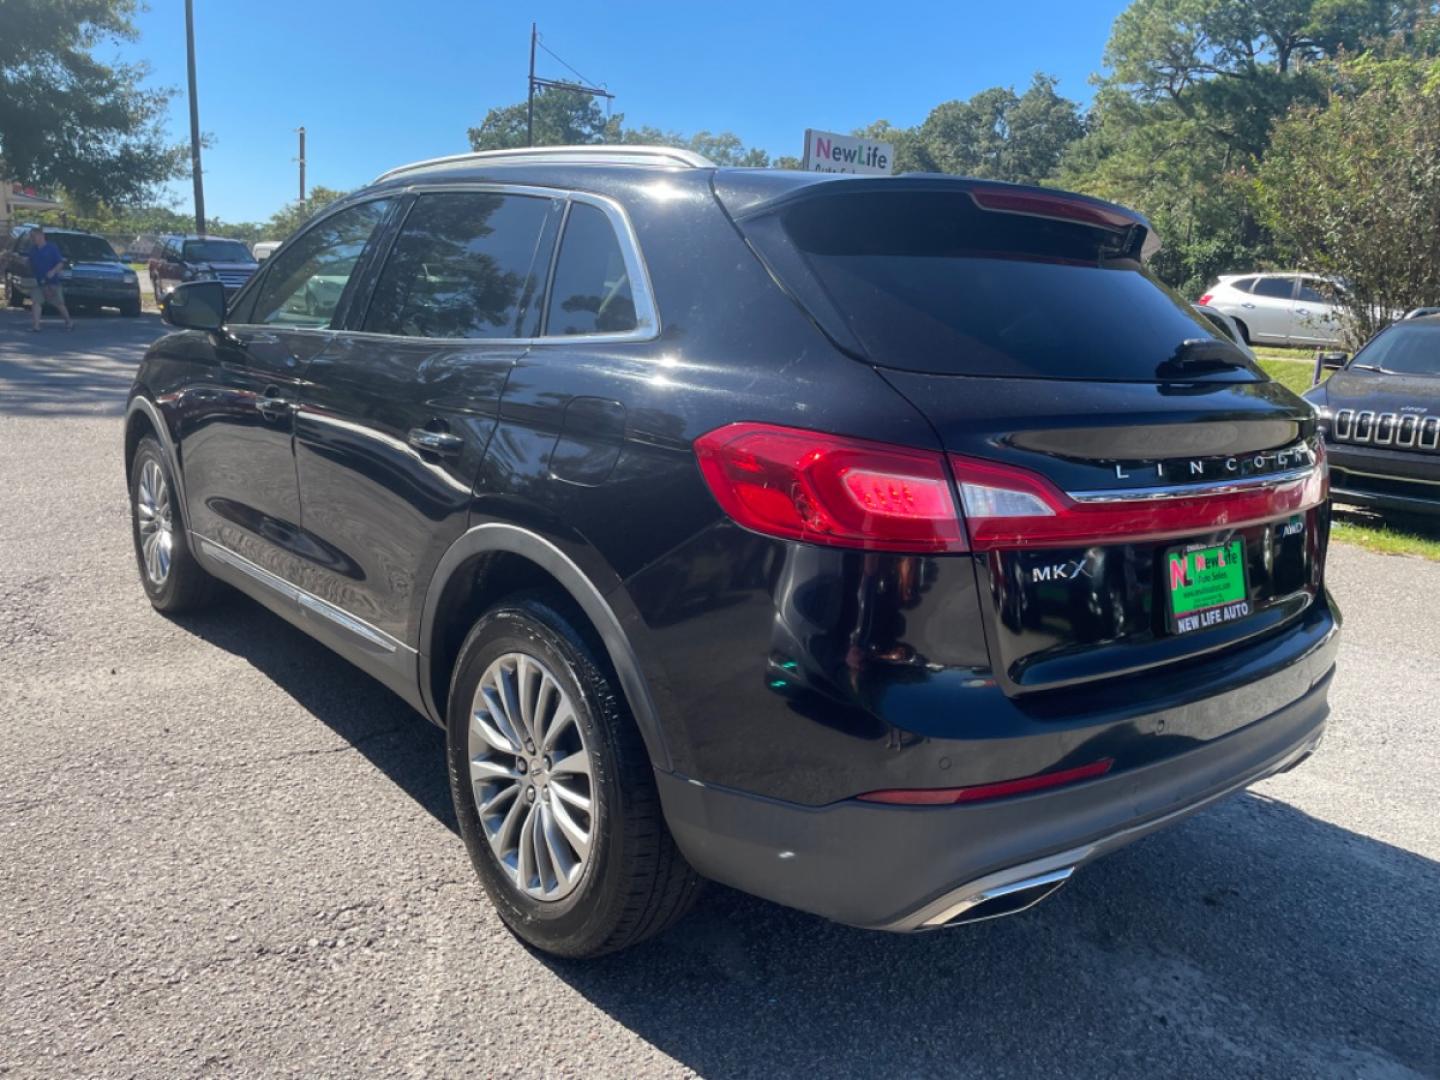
x=828, y=152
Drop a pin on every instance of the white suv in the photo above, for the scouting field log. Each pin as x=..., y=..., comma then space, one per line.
x=1278, y=309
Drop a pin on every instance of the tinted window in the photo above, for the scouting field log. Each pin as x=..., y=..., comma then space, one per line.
x=1245, y=284
x=1277, y=288
x=215, y=251
x=1407, y=349
x=303, y=286
x=926, y=281
x=1310, y=293
x=84, y=248
x=591, y=293
x=461, y=267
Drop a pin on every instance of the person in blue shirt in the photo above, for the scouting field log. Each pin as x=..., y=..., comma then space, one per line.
x=45, y=265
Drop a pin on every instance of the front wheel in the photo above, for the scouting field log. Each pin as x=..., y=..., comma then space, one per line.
x=173, y=580
x=553, y=788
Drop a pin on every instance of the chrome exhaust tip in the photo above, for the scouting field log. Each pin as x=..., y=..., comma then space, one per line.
x=1000, y=900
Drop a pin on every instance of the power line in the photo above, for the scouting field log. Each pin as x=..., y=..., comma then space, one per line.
x=584, y=86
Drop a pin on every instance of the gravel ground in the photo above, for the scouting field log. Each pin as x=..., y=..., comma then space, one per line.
x=226, y=851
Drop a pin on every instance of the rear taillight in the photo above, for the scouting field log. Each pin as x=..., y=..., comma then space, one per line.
x=1205, y=299
x=854, y=493
x=1010, y=507
x=824, y=489
x=980, y=792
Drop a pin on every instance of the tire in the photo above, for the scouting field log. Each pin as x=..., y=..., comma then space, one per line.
x=130, y=309
x=631, y=882
x=13, y=298
x=173, y=580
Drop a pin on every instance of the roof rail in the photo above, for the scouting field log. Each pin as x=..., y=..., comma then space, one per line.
x=594, y=154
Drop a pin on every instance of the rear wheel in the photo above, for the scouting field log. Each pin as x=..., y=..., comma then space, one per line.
x=130, y=308
x=554, y=791
x=173, y=580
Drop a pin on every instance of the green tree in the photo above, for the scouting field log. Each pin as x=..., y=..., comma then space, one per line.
x=68, y=120
x=996, y=134
x=1352, y=189
x=1184, y=116
x=561, y=119
x=294, y=214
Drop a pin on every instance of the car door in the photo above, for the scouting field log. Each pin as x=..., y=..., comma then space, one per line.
x=1315, y=314
x=395, y=419
x=237, y=413
x=1269, y=312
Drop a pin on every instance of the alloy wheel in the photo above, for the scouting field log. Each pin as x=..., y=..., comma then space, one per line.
x=155, y=520
x=531, y=776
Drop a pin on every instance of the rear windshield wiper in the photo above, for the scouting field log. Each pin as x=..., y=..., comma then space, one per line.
x=1202, y=356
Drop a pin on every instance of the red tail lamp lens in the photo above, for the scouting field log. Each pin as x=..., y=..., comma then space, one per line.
x=1010, y=507
x=1204, y=299
x=825, y=489
x=981, y=792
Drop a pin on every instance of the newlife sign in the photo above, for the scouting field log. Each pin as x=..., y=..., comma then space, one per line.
x=826, y=151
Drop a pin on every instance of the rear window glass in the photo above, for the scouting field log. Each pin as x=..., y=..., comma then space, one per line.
x=215, y=251
x=926, y=281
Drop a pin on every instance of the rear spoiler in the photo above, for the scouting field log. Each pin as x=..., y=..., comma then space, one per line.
x=756, y=195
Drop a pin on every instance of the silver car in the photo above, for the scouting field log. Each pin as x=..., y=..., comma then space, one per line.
x=1278, y=309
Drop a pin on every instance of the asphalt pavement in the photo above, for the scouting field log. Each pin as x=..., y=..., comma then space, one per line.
x=224, y=851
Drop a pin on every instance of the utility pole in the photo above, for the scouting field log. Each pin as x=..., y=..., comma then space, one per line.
x=194, y=119
x=582, y=87
x=530, y=105
x=301, y=130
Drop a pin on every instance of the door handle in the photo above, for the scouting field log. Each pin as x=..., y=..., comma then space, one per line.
x=1248, y=305
x=271, y=405
x=442, y=443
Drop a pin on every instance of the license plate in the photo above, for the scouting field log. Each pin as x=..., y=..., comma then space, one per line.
x=1207, y=585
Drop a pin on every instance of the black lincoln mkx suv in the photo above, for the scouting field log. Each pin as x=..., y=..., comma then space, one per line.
x=886, y=547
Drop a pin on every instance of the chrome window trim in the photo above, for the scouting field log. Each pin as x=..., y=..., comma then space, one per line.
x=647, y=316
x=306, y=599
x=1185, y=491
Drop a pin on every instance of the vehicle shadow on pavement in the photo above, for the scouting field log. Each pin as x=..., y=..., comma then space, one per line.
x=1252, y=917
x=84, y=371
x=391, y=735
x=1252, y=939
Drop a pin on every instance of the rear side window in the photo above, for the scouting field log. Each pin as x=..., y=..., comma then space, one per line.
x=591, y=292
x=1244, y=284
x=461, y=266
x=1275, y=288
x=927, y=281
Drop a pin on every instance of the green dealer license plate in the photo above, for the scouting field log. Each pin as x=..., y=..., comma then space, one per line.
x=1207, y=586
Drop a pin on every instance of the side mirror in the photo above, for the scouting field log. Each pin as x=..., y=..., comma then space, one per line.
x=1327, y=361
x=199, y=305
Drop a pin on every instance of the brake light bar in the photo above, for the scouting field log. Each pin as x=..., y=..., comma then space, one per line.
x=1010, y=507
x=1055, y=206
x=981, y=792
x=827, y=489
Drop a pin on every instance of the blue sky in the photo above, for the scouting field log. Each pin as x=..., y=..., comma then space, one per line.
x=377, y=84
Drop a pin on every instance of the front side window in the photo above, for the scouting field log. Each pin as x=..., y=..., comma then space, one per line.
x=592, y=292
x=1276, y=288
x=1311, y=293
x=303, y=286
x=461, y=267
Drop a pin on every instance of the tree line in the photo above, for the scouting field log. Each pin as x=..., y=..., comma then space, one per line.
x=1254, y=134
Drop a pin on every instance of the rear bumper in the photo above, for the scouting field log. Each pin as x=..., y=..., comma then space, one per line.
x=912, y=868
